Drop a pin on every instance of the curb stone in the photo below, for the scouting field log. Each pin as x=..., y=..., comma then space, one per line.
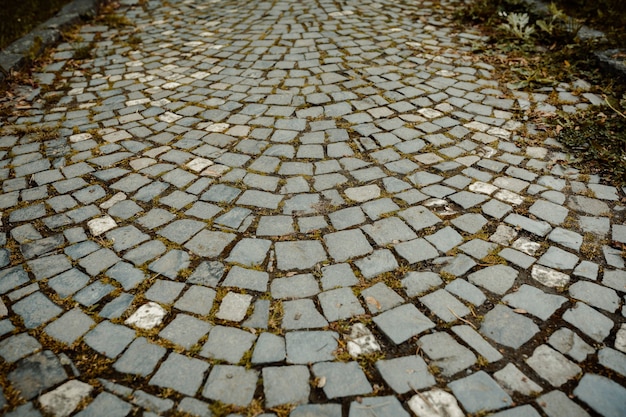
x=16, y=55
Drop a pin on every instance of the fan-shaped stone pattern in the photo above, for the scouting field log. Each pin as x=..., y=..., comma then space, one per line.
x=225, y=190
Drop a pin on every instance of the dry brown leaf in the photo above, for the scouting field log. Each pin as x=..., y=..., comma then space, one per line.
x=520, y=311
x=373, y=301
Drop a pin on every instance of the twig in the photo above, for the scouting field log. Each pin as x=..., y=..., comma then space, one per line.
x=462, y=319
x=606, y=100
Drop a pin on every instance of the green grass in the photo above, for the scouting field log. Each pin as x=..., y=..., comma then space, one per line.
x=19, y=17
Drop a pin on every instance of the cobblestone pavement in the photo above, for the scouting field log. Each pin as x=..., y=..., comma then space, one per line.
x=320, y=208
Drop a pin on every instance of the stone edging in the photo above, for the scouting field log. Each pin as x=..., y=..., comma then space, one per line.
x=16, y=54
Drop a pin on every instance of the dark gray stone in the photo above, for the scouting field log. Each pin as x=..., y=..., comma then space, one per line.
x=402, y=323
x=405, y=374
x=37, y=373
x=479, y=392
x=508, y=328
x=343, y=379
x=286, y=385
x=181, y=373
x=231, y=385
x=141, y=358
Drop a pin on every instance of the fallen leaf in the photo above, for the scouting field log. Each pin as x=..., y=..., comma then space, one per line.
x=372, y=300
x=520, y=311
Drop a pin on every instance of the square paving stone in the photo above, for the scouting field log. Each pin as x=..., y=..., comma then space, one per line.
x=286, y=385
x=305, y=347
x=347, y=244
x=204, y=211
x=340, y=304
x=402, y=323
x=63, y=400
x=416, y=283
x=207, y=273
x=552, y=366
x=606, y=397
x=514, y=380
x=303, y=254
x=109, y=339
x=445, y=305
x=302, y=314
x=445, y=239
x=269, y=348
x=163, y=291
x=380, y=297
x=497, y=279
x=416, y=250
x=535, y=301
x=180, y=231
x=126, y=274
x=209, y=244
x=68, y=282
x=479, y=392
x=90, y=295
x=343, y=379
x=378, y=262
x=49, y=266
x=446, y=353
x=231, y=385
x=145, y=252
x=504, y=326
x=11, y=278
x=117, y=306
x=250, y=252
x=247, y=279
x=295, y=286
x=596, y=295
x=185, y=330
x=227, y=344
x=36, y=374
x=155, y=218
x=70, y=326
x=389, y=230
x=181, y=373
x=557, y=404
x=197, y=299
x=98, y=261
x=17, y=347
x=275, y=226
x=569, y=343
x=36, y=309
x=558, y=259
x=171, y=263
x=234, y=307
x=387, y=406
x=317, y=410
x=126, y=237
x=194, y=407
x=124, y=209
x=141, y=358
x=338, y=275
x=404, y=374
x=260, y=199
x=106, y=404
x=589, y=321
x=470, y=222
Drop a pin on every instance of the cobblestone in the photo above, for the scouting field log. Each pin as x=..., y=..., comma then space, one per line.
x=249, y=194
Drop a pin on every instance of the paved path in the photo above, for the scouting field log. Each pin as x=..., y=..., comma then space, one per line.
x=300, y=208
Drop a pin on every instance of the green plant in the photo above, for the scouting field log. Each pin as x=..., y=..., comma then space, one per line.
x=558, y=24
x=517, y=25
